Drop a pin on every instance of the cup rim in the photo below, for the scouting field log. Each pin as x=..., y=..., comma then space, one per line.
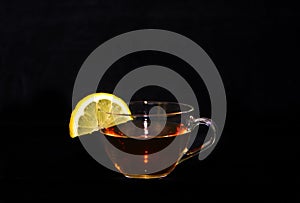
x=190, y=109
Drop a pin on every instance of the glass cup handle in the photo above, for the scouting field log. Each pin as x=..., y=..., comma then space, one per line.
x=193, y=122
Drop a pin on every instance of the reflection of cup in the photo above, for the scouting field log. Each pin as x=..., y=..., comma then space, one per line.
x=155, y=140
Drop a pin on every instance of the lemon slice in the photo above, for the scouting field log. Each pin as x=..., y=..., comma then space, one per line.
x=96, y=111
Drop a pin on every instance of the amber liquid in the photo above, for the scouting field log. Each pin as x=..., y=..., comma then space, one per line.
x=150, y=153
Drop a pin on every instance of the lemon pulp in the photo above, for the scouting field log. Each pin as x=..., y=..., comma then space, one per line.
x=96, y=111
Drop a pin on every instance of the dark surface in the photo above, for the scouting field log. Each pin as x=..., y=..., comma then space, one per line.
x=253, y=44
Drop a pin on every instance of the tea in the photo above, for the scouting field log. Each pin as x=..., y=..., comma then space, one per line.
x=146, y=148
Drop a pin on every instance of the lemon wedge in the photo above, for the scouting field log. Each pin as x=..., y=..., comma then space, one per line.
x=97, y=111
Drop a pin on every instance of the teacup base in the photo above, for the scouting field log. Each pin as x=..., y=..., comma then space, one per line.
x=146, y=176
x=160, y=174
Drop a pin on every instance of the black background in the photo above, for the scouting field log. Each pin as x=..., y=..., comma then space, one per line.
x=254, y=45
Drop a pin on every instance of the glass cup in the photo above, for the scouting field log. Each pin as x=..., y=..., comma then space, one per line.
x=156, y=138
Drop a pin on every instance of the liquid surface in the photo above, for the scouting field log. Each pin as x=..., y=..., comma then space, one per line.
x=125, y=140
